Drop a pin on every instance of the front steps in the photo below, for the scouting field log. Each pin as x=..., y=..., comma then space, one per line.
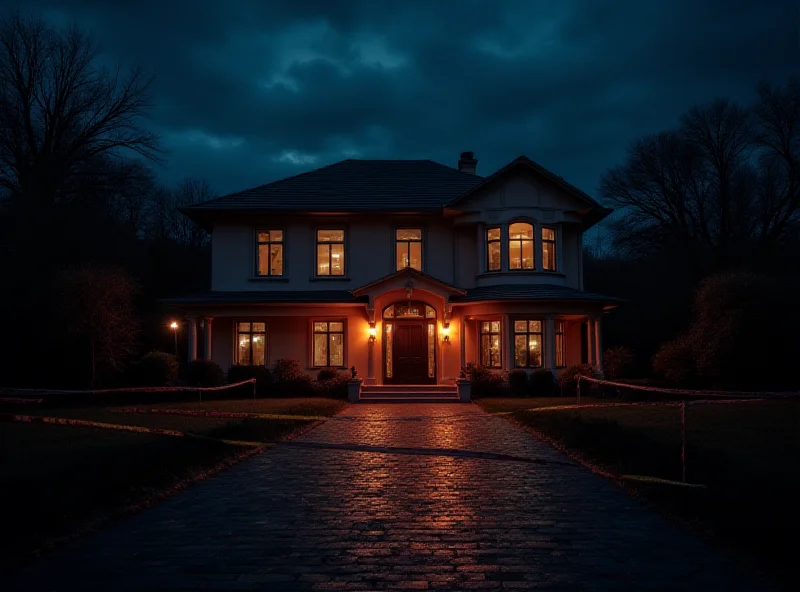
x=408, y=393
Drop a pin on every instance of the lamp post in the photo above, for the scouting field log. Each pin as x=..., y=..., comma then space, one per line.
x=174, y=326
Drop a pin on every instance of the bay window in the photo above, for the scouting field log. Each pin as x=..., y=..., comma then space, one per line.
x=493, y=249
x=490, y=344
x=559, y=345
x=549, y=249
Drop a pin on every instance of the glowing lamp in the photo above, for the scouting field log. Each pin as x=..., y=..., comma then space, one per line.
x=446, y=333
x=372, y=333
x=173, y=325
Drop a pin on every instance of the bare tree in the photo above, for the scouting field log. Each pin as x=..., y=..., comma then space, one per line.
x=59, y=110
x=725, y=182
x=98, y=305
x=165, y=220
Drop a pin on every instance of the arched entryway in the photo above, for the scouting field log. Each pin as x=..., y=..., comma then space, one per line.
x=409, y=343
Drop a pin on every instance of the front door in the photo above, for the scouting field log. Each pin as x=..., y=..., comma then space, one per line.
x=409, y=353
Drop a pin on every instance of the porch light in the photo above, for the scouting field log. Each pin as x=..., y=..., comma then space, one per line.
x=446, y=333
x=372, y=333
x=173, y=325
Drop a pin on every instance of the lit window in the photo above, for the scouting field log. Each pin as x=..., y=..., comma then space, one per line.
x=269, y=252
x=330, y=252
x=493, y=249
x=549, y=249
x=520, y=246
x=251, y=342
x=528, y=344
x=408, y=244
x=560, y=343
x=490, y=344
x=328, y=343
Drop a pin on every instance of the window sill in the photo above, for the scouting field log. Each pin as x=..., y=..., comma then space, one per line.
x=328, y=278
x=267, y=278
x=523, y=272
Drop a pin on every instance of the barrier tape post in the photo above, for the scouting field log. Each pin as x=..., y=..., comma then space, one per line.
x=578, y=389
x=683, y=441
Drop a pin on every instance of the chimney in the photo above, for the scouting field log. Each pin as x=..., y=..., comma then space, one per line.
x=467, y=163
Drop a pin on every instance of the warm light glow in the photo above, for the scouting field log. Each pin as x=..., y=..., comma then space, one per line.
x=373, y=332
x=173, y=325
x=446, y=332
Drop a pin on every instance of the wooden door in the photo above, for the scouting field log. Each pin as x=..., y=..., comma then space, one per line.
x=410, y=354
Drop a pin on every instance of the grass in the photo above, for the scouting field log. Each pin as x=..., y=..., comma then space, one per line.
x=60, y=481
x=745, y=454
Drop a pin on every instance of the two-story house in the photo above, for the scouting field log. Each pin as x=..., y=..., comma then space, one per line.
x=406, y=269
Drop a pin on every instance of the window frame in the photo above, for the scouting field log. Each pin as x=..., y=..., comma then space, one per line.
x=560, y=330
x=237, y=334
x=489, y=241
x=553, y=244
x=528, y=334
x=521, y=241
x=499, y=334
x=328, y=332
x=270, y=242
x=342, y=242
x=407, y=243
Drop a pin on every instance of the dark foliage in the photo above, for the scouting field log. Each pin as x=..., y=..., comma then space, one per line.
x=334, y=386
x=154, y=369
x=568, y=382
x=326, y=374
x=262, y=374
x=485, y=382
x=204, y=373
x=618, y=362
x=518, y=383
x=542, y=383
x=289, y=380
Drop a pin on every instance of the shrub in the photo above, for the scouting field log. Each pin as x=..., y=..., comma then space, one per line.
x=542, y=383
x=485, y=382
x=290, y=380
x=203, y=373
x=618, y=362
x=326, y=374
x=334, y=387
x=264, y=383
x=518, y=382
x=155, y=369
x=568, y=379
x=675, y=362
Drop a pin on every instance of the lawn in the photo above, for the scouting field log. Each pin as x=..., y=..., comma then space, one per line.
x=745, y=455
x=60, y=481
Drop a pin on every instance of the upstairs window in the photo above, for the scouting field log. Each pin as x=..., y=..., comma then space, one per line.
x=330, y=252
x=528, y=344
x=269, y=252
x=549, y=249
x=408, y=248
x=490, y=344
x=252, y=344
x=520, y=246
x=328, y=343
x=493, y=249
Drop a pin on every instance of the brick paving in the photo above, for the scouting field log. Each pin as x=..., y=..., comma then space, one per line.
x=470, y=515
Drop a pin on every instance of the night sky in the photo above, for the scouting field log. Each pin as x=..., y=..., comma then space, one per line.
x=251, y=91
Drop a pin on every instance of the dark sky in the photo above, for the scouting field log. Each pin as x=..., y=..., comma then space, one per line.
x=253, y=90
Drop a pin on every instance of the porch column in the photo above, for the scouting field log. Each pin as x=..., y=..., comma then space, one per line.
x=590, y=338
x=550, y=343
x=506, y=343
x=207, y=338
x=191, y=338
x=598, y=343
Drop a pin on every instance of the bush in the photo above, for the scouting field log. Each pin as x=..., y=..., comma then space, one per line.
x=290, y=380
x=203, y=373
x=675, y=362
x=155, y=369
x=568, y=379
x=326, y=374
x=485, y=382
x=334, y=387
x=264, y=383
x=542, y=383
x=618, y=362
x=518, y=383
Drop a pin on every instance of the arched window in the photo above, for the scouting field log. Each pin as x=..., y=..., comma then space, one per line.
x=520, y=245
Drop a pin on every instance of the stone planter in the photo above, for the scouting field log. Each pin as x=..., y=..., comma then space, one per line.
x=464, y=387
x=353, y=389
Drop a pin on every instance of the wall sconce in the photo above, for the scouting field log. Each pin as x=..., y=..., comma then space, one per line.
x=446, y=333
x=372, y=333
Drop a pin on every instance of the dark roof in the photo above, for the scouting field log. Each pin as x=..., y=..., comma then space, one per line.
x=353, y=185
x=266, y=297
x=410, y=271
x=531, y=292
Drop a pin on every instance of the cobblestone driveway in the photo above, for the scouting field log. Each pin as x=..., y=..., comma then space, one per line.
x=473, y=513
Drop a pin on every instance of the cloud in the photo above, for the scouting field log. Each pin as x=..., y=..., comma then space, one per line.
x=248, y=91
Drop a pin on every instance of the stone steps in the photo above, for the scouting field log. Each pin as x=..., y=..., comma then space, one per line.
x=408, y=393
